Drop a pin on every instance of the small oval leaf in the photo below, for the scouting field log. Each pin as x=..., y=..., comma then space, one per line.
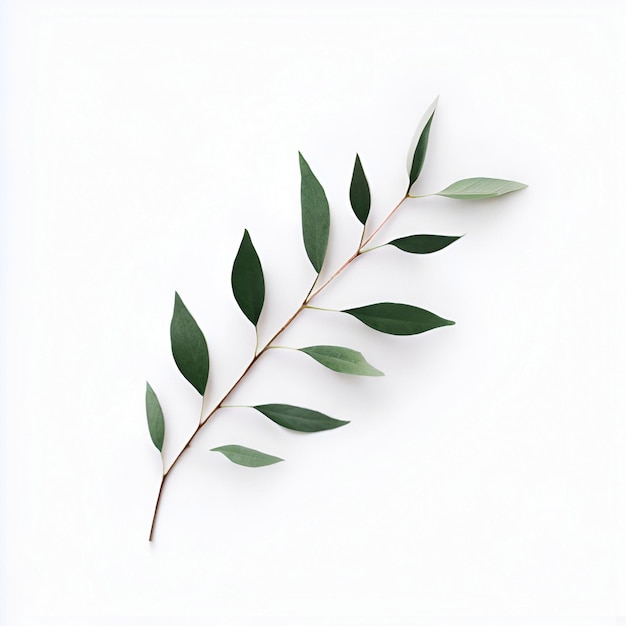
x=419, y=155
x=315, y=215
x=189, y=346
x=247, y=456
x=156, y=423
x=422, y=244
x=480, y=188
x=247, y=280
x=397, y=319
x=343, y=360
x=298, y=418
x=360, y=198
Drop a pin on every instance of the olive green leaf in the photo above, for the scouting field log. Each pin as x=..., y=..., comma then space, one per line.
x=298, y=418
x=315, y=216
x=247, y=280
x=360, y=198
x=156, y=423
x=247, y=456
x=422, y=244
x=480, y=188
x=343, y=360
x=397, y=319
x=419, y=155
x=189, y=346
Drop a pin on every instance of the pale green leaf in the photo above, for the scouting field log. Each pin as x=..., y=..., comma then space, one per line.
x=480, y=188
x=247, y=456
x=343, y=360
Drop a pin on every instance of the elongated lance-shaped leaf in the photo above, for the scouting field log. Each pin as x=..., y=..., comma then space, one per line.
x=298, y=418
x=422, y=244
x=343, y=360
x=419, y=154
x=480, y=188
x=247, y=456
x=189, y=346
x=247, y=280
x=156, y=423
x=315, y=216
x=397, y=319
x=360, y=198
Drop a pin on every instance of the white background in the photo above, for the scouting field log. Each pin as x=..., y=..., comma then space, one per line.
x=481, y=481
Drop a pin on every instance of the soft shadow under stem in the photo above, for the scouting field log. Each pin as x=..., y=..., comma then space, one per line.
x=312, y=293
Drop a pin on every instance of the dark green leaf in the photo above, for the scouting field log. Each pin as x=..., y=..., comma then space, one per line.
x=479, y=188
x=156, y=423
x=297, y=418
x=247, y=456
x=342, y=360
x=315, y=216
x=247, y=280
x=360, y=192
x=423, y=244
x=397, y=319
x=189, y=346
x=420, y=150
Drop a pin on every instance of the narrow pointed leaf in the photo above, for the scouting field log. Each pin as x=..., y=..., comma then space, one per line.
x=479, y=188
x=298, y=418
x=360, y=198
x=422, y=244
x=343, y=360
x=397, y=319
x=189, y=346
x=419, y=155
x=156, y=423
x=247, y=456
x=315, y=216
x=247, y=280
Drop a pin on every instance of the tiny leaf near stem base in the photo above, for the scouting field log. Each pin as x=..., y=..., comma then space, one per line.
x=189, y=346
x=423, y=244
x=343, y=360
x=247, y=456
x=247, y=280
x=397, y=319
x=315, y=216
x=156, y=423
x=299, y=418
x=480, y=188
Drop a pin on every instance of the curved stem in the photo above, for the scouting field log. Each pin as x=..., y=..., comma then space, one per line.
x=310, y=295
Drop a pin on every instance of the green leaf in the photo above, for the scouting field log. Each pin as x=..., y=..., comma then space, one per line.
x=297, y=418
x=397, y=319
x=422, y=244
x=247, y=456
x=342, y=360
x=247, y=280
x=479, y=188
x=419, y=155
x=156, y=423
x=189, y=346
x=315, y=216
x=360, y=198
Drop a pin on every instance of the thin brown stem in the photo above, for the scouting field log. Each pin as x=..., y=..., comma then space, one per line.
x=310, y=295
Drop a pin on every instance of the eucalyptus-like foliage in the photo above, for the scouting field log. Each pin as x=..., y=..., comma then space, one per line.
x=189, y=346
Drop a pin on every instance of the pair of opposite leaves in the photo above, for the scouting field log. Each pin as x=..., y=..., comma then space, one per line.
x=189, y=346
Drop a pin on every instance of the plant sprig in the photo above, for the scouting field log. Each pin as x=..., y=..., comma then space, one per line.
x=189, y=347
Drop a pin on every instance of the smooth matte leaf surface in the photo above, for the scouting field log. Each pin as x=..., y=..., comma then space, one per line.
x=360, y=198
x=156, y=423
x=420, y=149
x=315, y=215
x=479, y=188
x=397, y=319
x=422, y=244
x=247, y=456
x=298, y=418
x=342, y=360
x=189, y=346
x=247, y=280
